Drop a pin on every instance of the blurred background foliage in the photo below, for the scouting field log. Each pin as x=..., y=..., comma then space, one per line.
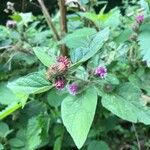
x=32, y=128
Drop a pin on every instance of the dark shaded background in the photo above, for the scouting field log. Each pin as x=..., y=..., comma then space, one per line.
x=26, y=6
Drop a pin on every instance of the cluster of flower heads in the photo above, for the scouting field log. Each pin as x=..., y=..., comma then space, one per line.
x=59, y=68
x=56, y=73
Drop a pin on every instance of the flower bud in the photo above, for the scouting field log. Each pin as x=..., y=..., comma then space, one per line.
x=133, y=37
x=73, y=88
x=140, y=19
x=59, y=83
x=11, y=24
x=101, y=72
x=64, y=60
x=135, y=27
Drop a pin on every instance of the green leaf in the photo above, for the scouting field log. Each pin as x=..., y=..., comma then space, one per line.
x=78, y=113
x=112, y=79
x=27, y=17
x=141, y=80
x=6, y=95
x=98, y=145
x=1, y=147
x=76, y=39
x=37, y=131
x=144, y=38
x=125, y=103
x=9, y=110
x=31, y=84
x=110, y=19
x=15, y=142
x=33, y=133
x=54, y=97
x=92, y=46
x=43, y=56
x=4, y=129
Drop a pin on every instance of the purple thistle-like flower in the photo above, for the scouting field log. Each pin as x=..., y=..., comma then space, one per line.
x=73, y=88
x=139, y=19
x=101, y=72
x=60, y=83
x=11, y=24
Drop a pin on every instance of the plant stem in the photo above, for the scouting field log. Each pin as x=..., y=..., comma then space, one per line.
x=63, y=24
x=63, y=19
x=137, y=137
x=48, y=19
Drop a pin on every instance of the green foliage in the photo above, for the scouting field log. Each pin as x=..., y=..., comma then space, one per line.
x=144, y=38
x=9, y=110
x=78, y=113
x=16, y=143
x=43, y=57
x=6, y=95
x=90, y=99
x=33, y=83
x=111, y=19
x=33, y=133
x=98, y=145
x=126, y=104
x=91, y=47
x=4, y=129
x=76, y=39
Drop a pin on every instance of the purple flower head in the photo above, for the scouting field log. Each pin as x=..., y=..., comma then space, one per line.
x=73, y=88
x=140, y=19
x=11, y=24
x=59, y=83
x=101, y=71
x=64, y=60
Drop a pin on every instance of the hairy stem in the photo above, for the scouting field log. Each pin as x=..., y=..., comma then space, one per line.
x=63, y=25
x=48, y=19
x=63, y=19
x=137, y=137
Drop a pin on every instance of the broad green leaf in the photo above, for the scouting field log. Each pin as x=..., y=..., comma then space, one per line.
x=6, y=95
x=31, y=84
x=15, y=142
x=78, y=113
x=125, y=103
x=98, y=145
x=144, y=38
x=9, y=110
x=43, y=56
x=92, y=46
x=76, y=39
